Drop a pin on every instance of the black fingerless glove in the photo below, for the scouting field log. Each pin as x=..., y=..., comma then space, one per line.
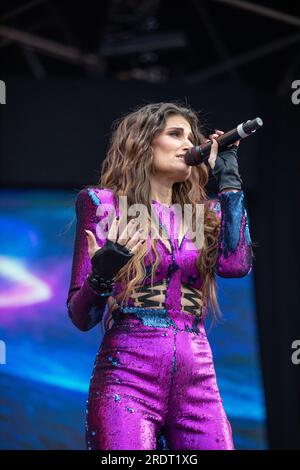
x=106, y=263
x=226, y=169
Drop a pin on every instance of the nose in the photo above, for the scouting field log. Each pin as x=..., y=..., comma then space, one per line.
x=188, y=144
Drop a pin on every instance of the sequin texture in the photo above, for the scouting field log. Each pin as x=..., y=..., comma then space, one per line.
x=154, y=384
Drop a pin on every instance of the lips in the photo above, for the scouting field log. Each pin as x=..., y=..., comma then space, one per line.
x=180, y=156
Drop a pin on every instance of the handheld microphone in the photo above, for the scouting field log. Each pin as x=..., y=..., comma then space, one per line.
x=196, y=155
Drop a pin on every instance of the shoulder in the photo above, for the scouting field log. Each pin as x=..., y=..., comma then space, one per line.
x=93, y=208
x=94, y=203
x=94, y=197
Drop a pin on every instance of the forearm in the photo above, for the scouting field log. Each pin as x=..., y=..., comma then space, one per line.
x=235, y=248
x=86, y=307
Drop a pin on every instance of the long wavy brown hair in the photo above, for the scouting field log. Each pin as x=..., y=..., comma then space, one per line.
x=126, y=170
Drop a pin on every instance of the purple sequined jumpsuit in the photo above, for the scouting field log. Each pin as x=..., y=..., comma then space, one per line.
x=154, y=375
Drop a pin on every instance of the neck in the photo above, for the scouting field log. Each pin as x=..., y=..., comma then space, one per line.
x=161, y=191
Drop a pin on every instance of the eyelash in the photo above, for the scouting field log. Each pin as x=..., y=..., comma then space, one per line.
x=177, y=133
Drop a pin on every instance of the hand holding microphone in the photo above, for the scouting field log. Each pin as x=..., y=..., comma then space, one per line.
x=221, y=154
x=224, y=165
x=200, y=154
x=215, y=148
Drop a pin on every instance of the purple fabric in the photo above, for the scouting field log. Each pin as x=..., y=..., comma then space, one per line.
x=146, y=378
x=186, y=402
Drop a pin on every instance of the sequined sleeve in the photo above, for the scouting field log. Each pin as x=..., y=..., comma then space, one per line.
x=85, y=306
x=235, y=247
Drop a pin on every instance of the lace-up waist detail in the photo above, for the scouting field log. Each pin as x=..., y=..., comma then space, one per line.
x=191, y=299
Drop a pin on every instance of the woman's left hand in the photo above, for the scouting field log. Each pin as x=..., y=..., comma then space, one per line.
x=214, y=148
x=224, y=165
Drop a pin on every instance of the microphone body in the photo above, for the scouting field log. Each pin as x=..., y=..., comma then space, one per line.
x=200, y=154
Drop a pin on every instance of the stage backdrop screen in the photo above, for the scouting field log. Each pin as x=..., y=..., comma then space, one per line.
x=46, y=363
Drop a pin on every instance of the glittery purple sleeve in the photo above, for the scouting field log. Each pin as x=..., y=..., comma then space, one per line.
x=85, y=306
x=235, y=247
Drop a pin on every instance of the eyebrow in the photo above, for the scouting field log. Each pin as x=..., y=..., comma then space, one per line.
x=179, y=129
